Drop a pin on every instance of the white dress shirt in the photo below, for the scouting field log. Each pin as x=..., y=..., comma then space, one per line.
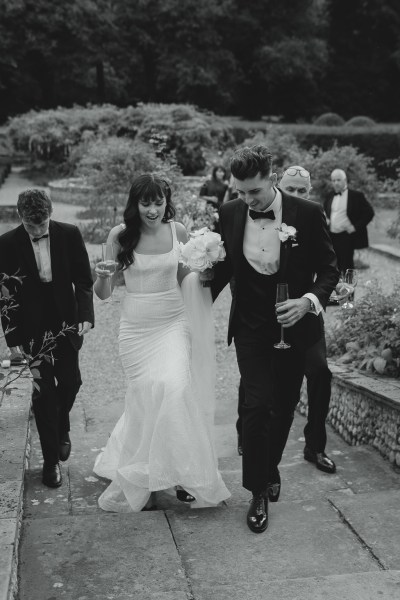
x=261, y=244
x=339, y=221
x=41, y=249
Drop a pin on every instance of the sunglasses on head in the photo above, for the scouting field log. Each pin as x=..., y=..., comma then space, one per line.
x=293, y=171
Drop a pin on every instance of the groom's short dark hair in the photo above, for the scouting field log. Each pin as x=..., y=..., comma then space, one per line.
x=34, y=205
x=250, y=160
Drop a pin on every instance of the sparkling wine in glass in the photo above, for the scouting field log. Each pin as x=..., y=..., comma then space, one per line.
x=108, y=262
x=350, y=279
x=282, y=294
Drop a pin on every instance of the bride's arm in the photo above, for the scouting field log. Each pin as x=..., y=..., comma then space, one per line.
x=102, y=287
x=183, y=237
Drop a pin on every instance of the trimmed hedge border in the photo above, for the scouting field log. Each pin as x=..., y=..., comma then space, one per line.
x=381, y=142
x=363, y=410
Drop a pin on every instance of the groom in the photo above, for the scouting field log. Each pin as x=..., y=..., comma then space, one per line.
x=258, y=260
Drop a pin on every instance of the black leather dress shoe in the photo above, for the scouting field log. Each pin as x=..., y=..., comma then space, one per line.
x=239, y=446
x=64, y=449
x=52, y=475
x=184, y=496
x=257, y=517
x=320, y=459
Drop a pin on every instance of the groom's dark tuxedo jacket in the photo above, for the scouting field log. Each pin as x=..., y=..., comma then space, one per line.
x=359, y=212
x=307, y=265
x=71, y=276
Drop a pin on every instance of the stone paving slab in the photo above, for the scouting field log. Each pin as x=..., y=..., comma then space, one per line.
x=114, y=557
x=362, y=470
x=303, y=540
x=386, y=250
x=300, y=482
x=10, y=499
x=8, y=540
x=376, y=519
x=359, y=586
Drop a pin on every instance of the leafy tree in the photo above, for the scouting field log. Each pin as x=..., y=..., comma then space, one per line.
x=363, y=76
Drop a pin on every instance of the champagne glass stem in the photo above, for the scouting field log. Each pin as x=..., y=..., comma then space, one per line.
x=282, y=335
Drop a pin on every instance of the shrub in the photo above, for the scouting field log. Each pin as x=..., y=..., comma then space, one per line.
x=329, y=119
x=195, y=213
x=287, y=151
x=360, y=173
x=51, y=135
x=368, y=338
x=111, y=165
x=379, y=142
x=188, y=132
x=284, y=148
x=360, y=122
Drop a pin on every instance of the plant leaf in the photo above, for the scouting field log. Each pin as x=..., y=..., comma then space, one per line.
x=36, y=374
x=379, y=364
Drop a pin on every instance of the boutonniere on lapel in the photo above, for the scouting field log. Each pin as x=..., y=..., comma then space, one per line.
x=287, y=233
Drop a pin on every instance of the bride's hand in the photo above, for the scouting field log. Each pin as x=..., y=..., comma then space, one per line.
x=101, y=270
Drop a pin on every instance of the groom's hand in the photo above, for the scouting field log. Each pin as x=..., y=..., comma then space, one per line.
x=206, y=275
x=291, y=311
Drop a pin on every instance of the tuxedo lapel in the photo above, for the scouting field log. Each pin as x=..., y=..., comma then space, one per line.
x=56, y=252
x=289, y=213
x=28, y=255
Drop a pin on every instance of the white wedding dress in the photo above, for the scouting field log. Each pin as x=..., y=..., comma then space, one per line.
x=164, y=438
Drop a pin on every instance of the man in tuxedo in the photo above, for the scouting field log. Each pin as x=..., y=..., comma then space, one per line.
x=348, y=213
x=296, y=182
x=260, y=253
x=56, y=288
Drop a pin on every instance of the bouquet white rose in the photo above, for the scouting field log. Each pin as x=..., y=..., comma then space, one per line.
x=202, y=251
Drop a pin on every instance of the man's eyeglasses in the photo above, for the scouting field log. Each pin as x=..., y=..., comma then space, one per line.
x=293, y=171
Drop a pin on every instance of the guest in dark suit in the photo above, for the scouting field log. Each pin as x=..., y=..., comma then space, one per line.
x=56, y=288
x=258, y=260
x=348, y=213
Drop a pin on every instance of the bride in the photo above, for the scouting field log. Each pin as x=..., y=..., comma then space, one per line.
x=164, y=438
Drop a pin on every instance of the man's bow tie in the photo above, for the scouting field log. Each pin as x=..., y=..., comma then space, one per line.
x=254, y=214
x=40, y=238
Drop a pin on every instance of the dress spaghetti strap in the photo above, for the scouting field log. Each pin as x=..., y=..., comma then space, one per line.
x=174, y=236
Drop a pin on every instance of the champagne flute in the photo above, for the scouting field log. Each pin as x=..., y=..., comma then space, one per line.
x=282, y=294
x=350, y=279
x=108, y=263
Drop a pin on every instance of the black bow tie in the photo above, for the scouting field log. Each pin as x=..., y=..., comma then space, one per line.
x=254, y=214
x=40, y=238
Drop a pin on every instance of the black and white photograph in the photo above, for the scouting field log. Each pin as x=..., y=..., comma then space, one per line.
x=199, y=300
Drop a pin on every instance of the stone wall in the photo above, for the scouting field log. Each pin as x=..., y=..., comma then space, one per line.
x=364, y=410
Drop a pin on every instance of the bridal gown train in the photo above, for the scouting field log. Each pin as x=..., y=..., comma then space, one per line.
x=164, y=437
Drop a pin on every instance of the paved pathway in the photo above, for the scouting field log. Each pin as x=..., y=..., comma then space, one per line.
x=330, y=536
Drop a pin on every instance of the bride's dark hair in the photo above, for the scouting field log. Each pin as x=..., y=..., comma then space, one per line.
x=146, y=187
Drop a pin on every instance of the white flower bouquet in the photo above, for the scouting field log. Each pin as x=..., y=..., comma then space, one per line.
x=202, y=251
